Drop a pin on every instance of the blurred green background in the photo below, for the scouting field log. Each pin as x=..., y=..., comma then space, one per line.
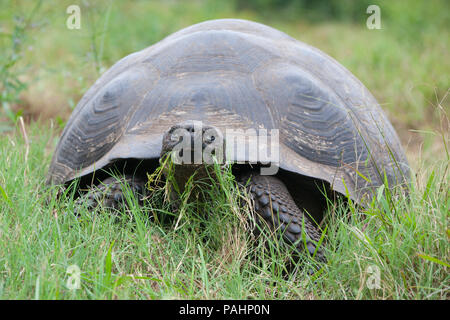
x=45, y=67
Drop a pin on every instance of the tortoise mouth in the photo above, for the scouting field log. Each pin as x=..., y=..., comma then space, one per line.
x=184, y=174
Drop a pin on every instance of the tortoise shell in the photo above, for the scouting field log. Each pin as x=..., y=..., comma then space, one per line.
x=236, y=74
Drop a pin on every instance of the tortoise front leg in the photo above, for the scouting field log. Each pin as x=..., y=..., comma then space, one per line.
x=109, y=193
x=275, y=206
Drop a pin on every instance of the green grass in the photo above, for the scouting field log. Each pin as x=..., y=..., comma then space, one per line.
x=405, y=64
x=46, y=68
x=207, y=253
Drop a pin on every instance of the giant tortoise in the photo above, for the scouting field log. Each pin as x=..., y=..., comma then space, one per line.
x=197, y=85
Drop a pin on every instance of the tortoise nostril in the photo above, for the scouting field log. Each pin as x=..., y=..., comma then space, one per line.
x=180, y=153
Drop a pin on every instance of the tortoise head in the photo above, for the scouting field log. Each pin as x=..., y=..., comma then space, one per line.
x=193, y=143
x=192, y=147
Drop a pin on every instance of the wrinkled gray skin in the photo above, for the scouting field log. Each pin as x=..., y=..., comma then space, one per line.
x=241, y=75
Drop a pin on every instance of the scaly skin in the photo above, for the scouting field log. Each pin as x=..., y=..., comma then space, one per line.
x=109, y=193
x=275, y=206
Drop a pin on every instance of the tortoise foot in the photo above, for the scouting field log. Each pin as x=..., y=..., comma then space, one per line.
x=276, y=208
x=111, y=193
